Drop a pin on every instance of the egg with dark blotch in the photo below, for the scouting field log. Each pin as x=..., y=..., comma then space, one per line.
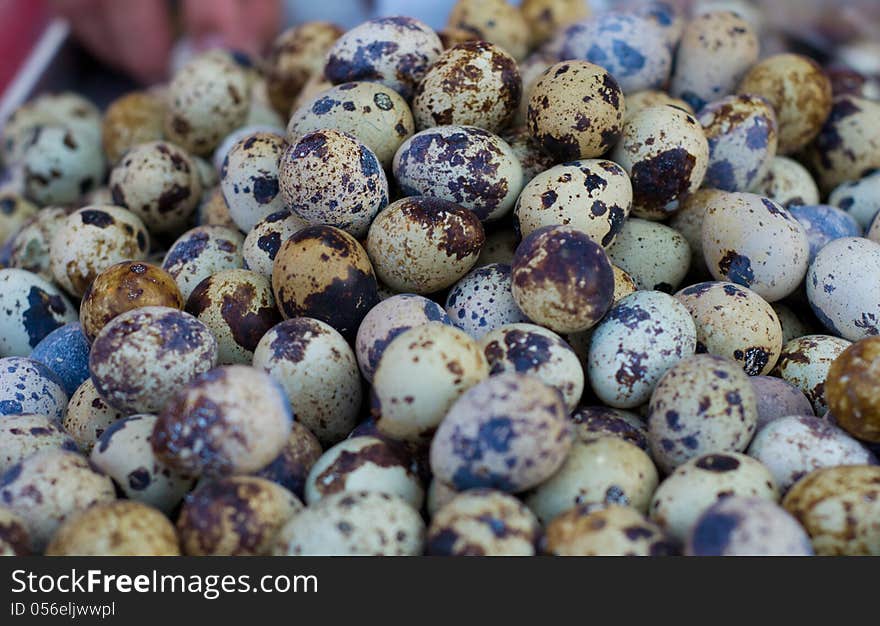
x=778, y=398
x=264, y=240
x=65, y=351
x=805, y=361
x=860, y=199
x=14, y=538
x=531, y=157
x=88, y=415
x=249, y=179
x=612, y=530
x=654, y=255
x=15, y=210
x=482, y=301
x=596, y=422
x=291, y=467
x=30, y=308
x=276, y=130
x=23, y=435
x=824, y=223
x=635, y=102
x=200, y=252
x=496, y=21
x=28, y=386
x=851, y=389
x=787, y=183
x=61, y=163
x=134, y=118
x=29, y=247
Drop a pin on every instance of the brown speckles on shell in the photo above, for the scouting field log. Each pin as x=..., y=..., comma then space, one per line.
x=134, y=118
x=14, y=540
x=497, y=21
x=852, y=392
x=291, y=467
x=200, y=252
x=611, y=530
x=805, y=362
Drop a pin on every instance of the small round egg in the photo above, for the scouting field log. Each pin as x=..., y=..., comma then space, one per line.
x=851, y=389
x=654, y=255
x=135, y=118
x=824, y=223
x=30, y=308
x=596, y=422
x=264, y=240
x=860, y=198
x=606, y=530
x=29, y=247
x=60, y=164
x=65, y=351
x=14, y=539
x=482, y=301
x=28, y=386
x=200, y=252
x=778, y=398
x=497, y=21
x=788, y=183
x=291, y=467
x=249, y=179
x=23, y=435
x=15, y=211
x=88, y=415
x=805, y=361
x=635, y=102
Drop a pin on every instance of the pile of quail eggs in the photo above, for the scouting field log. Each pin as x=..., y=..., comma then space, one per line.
x=548, y=281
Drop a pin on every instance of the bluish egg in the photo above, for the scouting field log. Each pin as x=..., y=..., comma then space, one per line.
x=824, y=223
x=28, y=386
x=482, y=301
x=65, y=351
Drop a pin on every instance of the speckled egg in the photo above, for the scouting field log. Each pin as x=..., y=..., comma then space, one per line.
x=594, y=196
x=795, y=445
x=531, y=157
x=788, y=183
x=462, y=164
x=14, y=536
x=778, y=398
x=562, y=279
x=23, y=435
x=530, y=70
x=15, y=211
x=843, y=287
x=839, y=508
x=213, y=210
x=50, y=486
x=61, y=164
x=483, y=522
x=88, y=415
x=291, y=467
x=824, y=223
x=134, y=118
x=635, y=102
x=65, y=351
x=264, y=240
x=702, y=404
x=497, y=21
x=28, y=386
x=576, y=110
x=851, y=389
x=654, y=255
x=249, y=178
x=546, y=17
x=606, y=470
x=353, y=523
x=324, y=273
x=530, y=419
x=123, y=453
x=716, y=50
x=666, y=154
x=422, y=245
x=30, y=308
x=860, y=198
x=805, y=361
x=200, y=252
x=482, y=301
x=395, y=51
x=606, y=530
x=318, y=372
x=596, y=422
x=144, y=356
x=693, y=487
x=744, y=526
x=29, y=247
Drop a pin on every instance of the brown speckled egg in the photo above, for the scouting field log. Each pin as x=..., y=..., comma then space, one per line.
x=596, y=422
x=239, y=308
x=200, y=252
x=805, y=361
x=249, y=179
x=546, y=17
x=88, y=415
x=497, y=21
x=483, y=522
x=353, y=523
x=839, y=508
x=476, y=83
x=852, y=389
x=207, y=100
x=612, y=530
x=778, y=398
x=666, y=154
x=118, y=528
x=61, y=163
x=754, y=242
x=377, y=115
x=297, y=54
x=22, y=435
x=788, y=183
x=144, y=356
x=233, y=419
x=531, y=157
x=14, y=538
x=264, y=240
x=291, y=467
x=462, y=164
x=562, y=279
x=123, y=287
x=318, y=371
x=798, y=90
x=702, y=404
x=132, y=119
x=48, y=487
x=576, y=110
x=422, y=245
x=330, y=177
x=324, y=273
x=422, y=372
x=395, y=51
x=15, y=210
x=701, y=482
x=91, y=240
x=635, y=102
x=30, y=248
x=654, y=255
x=509, y=432
x=716, y=49
x=736, y=323
x=593, y=195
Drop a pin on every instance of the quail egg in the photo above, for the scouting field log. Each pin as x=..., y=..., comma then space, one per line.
x=654, y=255
x=824, y=223
x=778, y=398
x=612, y=530
x=30, y=308
x=788, y=183
x=61, y=164
x=482, y=301
x=291, y=467
x=65, y=351
x=264, y=240
x=88, y=415
x=805, y=361
x=497, y=21
x=23, y=435
x=200, y=252
x=134, y=118
x=688, y=221
x=860, y=198
x=249, y=179
x=596, y=422
x=29, y=247
x=635, y=102
x=546, y=17
x=531, y=157
x=28, y=386
x=851, y=389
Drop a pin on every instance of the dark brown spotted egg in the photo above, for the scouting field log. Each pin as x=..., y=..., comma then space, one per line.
x=805, y=361
x=134, y=118
x=233, y=419
x=852, y=391
x=23, y=435
x=462, y=164
x=377, y=115
x=593, y=195
x=509, y=432
x=596, y=422
x=291, y=467
x=702, y=404
x=61, y=164
x=14, y=539
x=15, y=210
x=264, y=240
x=324, y=273
x=29, y=248
x=789, y=183
x=576, y=110
x=235, y=516
x=395, y=51
x=249, y=179
x=239, y=308
x=666, y=154
x=497, y=21
x=483, y=522
x=30, y=308
x=123, y=452
x=200, y=252
x=476, y=83
x=144, y=356
x=317, y=370
x=482, y=301
x=330, y=177
x=88, y=415
x=612, y=530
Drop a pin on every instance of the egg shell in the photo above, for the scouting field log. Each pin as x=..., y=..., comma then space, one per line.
x=743, y=526
x=29, y=386
x=318, y=372
x=778, y=398
x=824, y=223
x=324, y=273
x=793, y=446
x=575, y=110
x=546, y=17
x=843, y=287
x=562, y=279
x=838, y=506
x=394, y=51
x=860, y=198
x=353, y=523
x=65, y=351
x=536, y=351
x=15, y=210
x=422, y=245
x=249, y=178
x=88, y=415
x=496, y=21
x=14, y=540
x=201, y=252
x=698, y=484
x=462, y=164
x=60, y=164
x=702, y=404
x=144, y=356
x=666, y=154
x=639, y=100
x=592, y=195
x=805, y=361
x=607, y=470
x=23, y=435
x=50, y=486
x=264, y=240
x=483, y=522
x=531, y=157
x=596, y=422
x=852, y=392
x=230, y=140
x=30, y=309
x=134, y=118
x=482, y=301
x=654, y=255
x=612, y=530
x=291, y=467
x=29, y=247
x=788, y=183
